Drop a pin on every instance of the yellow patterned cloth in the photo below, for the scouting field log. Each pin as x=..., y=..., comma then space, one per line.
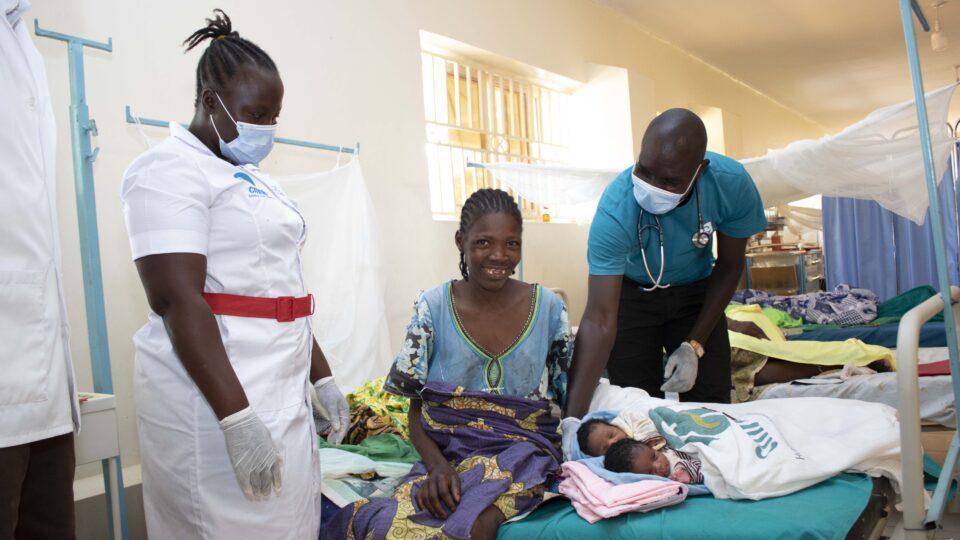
x=374, y=411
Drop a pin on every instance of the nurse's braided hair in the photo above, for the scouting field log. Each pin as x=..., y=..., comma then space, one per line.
x=482, y=202
x=225, y=54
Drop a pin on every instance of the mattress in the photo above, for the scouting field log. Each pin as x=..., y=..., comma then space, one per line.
x=936, y=393
x=931, y=335
x=846, y=506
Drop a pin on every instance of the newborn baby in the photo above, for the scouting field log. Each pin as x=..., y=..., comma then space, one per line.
x=631, y=443
x=596, y=436
x=628, y=455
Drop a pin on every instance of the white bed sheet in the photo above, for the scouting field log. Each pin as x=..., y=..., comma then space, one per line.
x=936, y=393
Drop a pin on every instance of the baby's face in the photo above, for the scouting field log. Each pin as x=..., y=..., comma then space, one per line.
x=646, y=460
x=602, y=436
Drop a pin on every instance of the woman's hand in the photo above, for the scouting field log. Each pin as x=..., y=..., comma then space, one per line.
x=440, y=492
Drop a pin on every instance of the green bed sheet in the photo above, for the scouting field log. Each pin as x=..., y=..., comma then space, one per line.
x=824, y=511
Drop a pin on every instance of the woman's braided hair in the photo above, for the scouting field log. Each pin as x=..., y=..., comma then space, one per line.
x=224, y=56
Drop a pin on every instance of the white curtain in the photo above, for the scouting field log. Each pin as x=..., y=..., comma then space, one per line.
x=878, y=158
x=343, y=269
x=570, y=190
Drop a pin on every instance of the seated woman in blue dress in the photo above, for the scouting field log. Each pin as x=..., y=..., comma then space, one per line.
x=484, y=363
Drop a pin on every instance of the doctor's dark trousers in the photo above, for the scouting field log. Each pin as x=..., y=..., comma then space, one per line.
x=651, y=325
x=36, y=490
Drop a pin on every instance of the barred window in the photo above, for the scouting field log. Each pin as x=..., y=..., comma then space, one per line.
x=475, y=114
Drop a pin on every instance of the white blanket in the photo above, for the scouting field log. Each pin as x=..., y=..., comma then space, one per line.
x=773, y=447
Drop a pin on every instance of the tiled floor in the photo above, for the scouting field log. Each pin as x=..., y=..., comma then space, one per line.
x=950, y=527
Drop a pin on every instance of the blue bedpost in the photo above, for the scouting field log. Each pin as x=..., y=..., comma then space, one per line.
x=939, y=242
x=82, y=127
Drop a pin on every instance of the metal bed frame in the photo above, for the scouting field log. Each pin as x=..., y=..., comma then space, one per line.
x=920, y=521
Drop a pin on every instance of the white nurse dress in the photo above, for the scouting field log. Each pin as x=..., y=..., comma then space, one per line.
x=178, y=197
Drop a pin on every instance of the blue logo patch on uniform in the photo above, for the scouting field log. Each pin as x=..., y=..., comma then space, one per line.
x=255, y=192
x=244, y=176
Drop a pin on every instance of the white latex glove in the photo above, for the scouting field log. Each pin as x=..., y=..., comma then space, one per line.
x=681, y=370
x=328, y=399
x=569, y=427
x=253, y=454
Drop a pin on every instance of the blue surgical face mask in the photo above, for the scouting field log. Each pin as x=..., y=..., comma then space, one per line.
x=252, y=144
x=659, y=201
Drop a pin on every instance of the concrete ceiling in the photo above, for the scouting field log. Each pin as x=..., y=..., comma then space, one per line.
x=832, y=60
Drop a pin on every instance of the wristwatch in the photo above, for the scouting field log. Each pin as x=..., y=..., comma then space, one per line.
x=697, y=347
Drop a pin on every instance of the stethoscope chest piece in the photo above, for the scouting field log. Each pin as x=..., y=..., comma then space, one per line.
x=701, y=238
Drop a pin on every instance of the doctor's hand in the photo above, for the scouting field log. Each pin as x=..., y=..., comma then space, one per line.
x=328, y=399
x=569, y=427
x=681, y=370
x=253, y=455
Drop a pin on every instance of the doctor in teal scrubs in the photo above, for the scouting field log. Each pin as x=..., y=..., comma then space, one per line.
x=655, y=288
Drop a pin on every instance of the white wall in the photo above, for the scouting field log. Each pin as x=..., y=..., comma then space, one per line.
x=352, y=73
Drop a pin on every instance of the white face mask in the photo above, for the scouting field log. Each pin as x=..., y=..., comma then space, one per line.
x=253, y=142
x=659, y=201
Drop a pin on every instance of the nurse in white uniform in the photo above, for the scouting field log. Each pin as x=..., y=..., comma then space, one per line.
x=227, y=359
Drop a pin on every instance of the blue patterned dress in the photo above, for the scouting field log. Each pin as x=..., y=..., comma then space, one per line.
x=437, y=348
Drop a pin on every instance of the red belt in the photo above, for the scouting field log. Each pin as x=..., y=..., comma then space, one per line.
x=283, y=308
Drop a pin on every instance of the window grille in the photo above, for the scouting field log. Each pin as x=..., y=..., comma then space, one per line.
x=475, y=114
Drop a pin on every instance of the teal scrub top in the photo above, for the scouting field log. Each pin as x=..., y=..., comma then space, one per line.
x=729, y=202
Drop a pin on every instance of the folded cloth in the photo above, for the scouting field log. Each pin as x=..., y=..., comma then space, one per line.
x=898, y=306
x=932, y=369
x=595, y=465
x=594, y=498
x=384, y=447
x=781, y=318
x=637, y=427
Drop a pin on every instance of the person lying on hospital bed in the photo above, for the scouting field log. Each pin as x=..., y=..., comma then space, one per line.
x=761, y=356
x=484, y=365
x=630, y=443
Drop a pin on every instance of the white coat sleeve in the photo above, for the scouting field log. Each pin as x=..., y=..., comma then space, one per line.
x=166, y=206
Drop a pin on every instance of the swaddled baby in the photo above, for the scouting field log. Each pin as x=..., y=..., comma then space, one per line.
x=630, y=443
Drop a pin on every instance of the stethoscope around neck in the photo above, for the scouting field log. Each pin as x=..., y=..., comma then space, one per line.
x=701, y=239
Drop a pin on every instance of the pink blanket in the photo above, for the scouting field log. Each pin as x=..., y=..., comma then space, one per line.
x=594, y=498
